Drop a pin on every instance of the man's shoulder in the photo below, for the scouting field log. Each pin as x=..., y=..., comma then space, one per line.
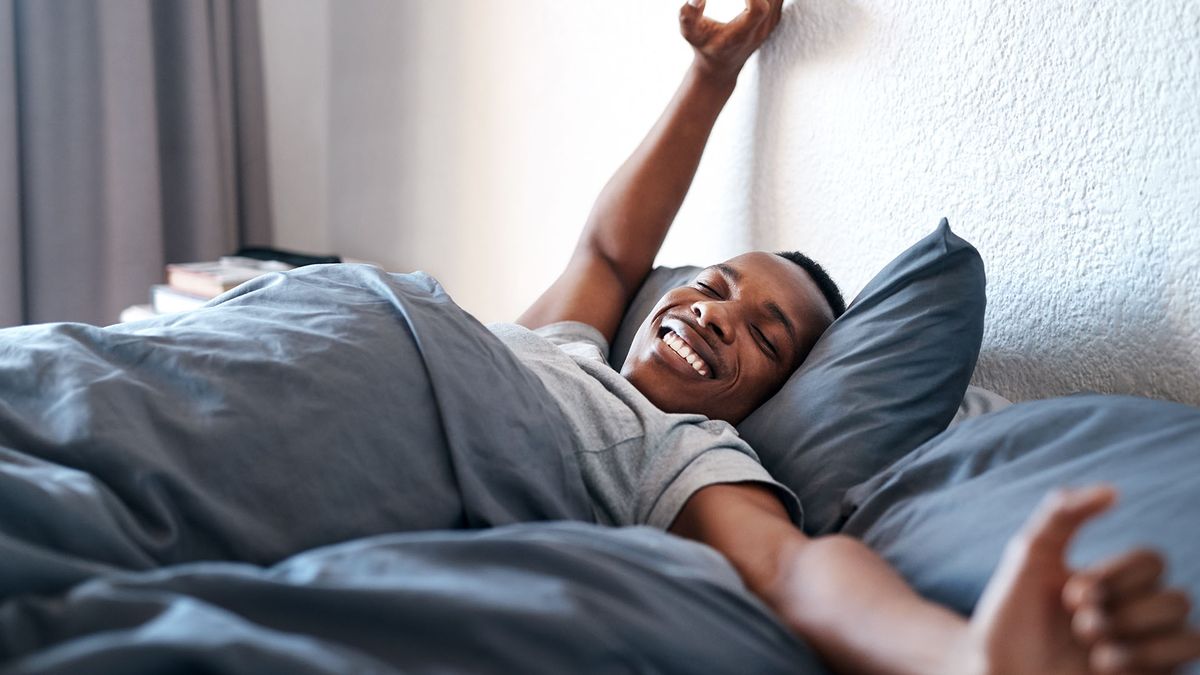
x=573, y=338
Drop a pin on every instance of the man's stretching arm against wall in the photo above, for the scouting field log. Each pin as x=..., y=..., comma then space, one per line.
x=630, y=219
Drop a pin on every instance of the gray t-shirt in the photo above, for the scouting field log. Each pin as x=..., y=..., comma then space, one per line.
x=639, y=463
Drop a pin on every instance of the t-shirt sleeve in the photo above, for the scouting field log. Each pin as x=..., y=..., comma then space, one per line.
x=715, y=467
x=573, y=336
x=728, y=461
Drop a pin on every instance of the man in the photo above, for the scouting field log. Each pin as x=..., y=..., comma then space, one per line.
x=723, y=345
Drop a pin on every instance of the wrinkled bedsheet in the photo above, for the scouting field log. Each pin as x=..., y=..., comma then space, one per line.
x=298, y=410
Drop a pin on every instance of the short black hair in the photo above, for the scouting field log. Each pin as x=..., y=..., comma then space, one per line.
x=824, y=282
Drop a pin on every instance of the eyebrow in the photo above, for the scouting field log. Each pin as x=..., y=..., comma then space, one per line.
x=772, y=308
x=729, y=272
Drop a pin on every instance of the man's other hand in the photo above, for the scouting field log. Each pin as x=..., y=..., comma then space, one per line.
x=1039, y=616
x=1129, y=621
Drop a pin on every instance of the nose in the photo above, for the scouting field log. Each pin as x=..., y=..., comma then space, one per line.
x=712, y=315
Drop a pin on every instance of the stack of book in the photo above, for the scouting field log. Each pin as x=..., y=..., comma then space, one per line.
x=191, y=285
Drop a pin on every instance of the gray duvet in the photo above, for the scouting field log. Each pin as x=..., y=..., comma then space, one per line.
x=298, y=410
x=533, y=598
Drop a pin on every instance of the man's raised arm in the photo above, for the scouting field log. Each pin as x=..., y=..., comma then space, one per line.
x=630, y=219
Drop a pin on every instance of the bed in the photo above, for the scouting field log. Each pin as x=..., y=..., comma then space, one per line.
x=224, y=491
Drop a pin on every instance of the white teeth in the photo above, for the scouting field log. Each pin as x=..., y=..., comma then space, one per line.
x=677, y=343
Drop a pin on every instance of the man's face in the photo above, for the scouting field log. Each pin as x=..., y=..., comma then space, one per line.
x=727, y=342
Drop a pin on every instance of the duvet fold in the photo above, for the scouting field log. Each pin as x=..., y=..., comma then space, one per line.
x=530, y=598
x=299, y=410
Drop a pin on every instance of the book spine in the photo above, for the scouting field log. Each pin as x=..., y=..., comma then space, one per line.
x=201, y=285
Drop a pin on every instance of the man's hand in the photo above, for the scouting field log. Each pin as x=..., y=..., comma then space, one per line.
x=1038, y=616
x=1130, y=622
x=723, y=48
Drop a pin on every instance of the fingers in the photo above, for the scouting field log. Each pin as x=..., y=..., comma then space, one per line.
x=1161, y=654
x=1121, y=598
x=1158, y=612
x=1052, y=526
x=1132, y=623
x=1113, y=581
x=694, y=26
x=691, y=11
x=690, y=14
x=758, y=14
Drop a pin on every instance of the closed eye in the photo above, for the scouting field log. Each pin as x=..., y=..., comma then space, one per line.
x=708, y=289
x=765, y=344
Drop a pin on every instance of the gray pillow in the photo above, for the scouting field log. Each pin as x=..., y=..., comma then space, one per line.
x=887, y=376
x=941, y=516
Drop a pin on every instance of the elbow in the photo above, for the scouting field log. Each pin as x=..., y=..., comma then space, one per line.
x=629, y=275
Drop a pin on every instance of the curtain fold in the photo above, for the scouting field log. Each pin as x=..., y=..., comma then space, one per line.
x=133, y=145
x=11, y=292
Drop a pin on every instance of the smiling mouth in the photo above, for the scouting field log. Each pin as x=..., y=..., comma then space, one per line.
x=685, y=352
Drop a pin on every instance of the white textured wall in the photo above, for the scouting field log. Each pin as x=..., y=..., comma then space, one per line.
x=469, y=137
x=1062, y=138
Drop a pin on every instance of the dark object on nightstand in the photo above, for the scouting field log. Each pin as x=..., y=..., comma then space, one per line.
x=290, y=257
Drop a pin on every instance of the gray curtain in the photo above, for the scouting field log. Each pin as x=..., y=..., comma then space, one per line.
x=132, y=134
